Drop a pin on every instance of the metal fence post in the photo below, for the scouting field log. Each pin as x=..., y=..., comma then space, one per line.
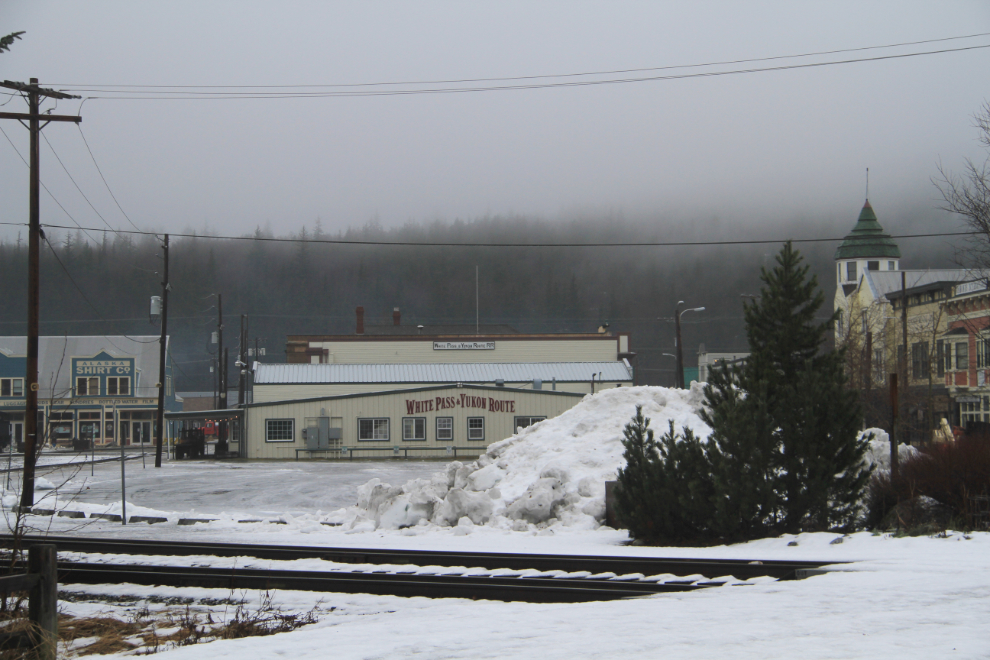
x=43, y=603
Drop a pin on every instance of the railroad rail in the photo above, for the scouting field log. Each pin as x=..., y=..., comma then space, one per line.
x=740, y=569
x=520, y=588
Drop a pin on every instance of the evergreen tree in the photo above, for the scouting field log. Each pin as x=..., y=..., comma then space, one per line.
x=742, y=454
x=665, y=491
x=641, y=492
x=784, y=451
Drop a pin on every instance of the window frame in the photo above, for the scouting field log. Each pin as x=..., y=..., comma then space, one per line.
x=449, y=429
x=851, y=274
x=374, y=430
x=292, y=429
x=89, y=380
x=414, y=420
x=962, y=356
x=469, y=429
x=531, y=418
x=15, y=387
x=117, y=381
x=919, y=360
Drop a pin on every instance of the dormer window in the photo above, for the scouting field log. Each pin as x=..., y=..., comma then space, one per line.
x=890, y=265
x=851, y=271
x=873, y=265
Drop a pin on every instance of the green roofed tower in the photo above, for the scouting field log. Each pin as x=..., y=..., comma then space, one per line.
x=866, y=247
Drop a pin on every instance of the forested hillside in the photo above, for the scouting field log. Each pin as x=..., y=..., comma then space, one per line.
x=298, y=288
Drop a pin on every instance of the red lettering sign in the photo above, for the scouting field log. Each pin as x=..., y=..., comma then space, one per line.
x=414, y=406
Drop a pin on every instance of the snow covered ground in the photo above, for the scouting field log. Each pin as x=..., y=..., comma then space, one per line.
x=900, y=597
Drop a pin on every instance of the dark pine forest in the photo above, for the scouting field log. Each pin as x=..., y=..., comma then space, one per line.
x=104, y=282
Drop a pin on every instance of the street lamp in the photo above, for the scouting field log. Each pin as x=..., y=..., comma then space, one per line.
x=677, y=340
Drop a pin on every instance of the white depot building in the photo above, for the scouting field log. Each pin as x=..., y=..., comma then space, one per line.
x=418, y=391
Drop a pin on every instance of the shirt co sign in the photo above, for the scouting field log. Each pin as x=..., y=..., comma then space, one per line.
x=464, y=346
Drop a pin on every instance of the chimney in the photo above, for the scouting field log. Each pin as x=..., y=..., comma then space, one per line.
x=360, y=320
x=396, y=316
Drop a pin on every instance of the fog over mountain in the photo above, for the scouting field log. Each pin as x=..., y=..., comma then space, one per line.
x=595, y=142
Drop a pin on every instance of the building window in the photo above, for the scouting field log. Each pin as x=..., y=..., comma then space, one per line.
x=838, y=323
x=11, y=387
x=87, y=386
x=118, y=386
x=89, y=425
x=414, y=428
x=982, y=353
x=864, y=325
x=476, y=428
x=878, y=368
x=873, y=265
x=940, y=361
x=851, y=271
x=445, y=429
x=962, y=356
x=890, y=265
x=373, y=429
x=280, y=430
x=919, y=359
x=523, y=422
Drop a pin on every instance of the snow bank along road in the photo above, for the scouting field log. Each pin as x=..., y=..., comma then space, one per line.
x=493, y=576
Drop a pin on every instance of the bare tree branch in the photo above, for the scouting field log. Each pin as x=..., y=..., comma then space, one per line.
x=968, y=195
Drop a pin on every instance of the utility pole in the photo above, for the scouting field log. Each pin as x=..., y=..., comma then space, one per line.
x=677, y=340
x=34, y=94
x=868, y=377
x=161, y=362
x=679, y=370
x=894, y=458
x=242, y=354
x=222, y=364
x=905, y=382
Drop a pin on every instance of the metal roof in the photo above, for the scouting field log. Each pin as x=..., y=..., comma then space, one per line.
x=511, y=372
x=884, y=282
x=391, y=329
x=867, y=239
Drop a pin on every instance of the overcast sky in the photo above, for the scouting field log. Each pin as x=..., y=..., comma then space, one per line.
x=752, y=150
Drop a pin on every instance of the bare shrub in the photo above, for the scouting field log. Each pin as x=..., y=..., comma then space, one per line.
x=950, y=473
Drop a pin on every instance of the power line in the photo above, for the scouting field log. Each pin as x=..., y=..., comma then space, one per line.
x=77, y=186
x=534, y=77
x=213, y=95
x=90, y=302
x=330, y=241
x=79, y=226
x=86, y=142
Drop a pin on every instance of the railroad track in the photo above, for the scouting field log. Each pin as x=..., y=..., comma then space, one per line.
x=710, y=568
x=523, y=588
x=491, y=576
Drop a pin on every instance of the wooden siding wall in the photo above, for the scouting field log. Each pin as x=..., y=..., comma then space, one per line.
x=506, y=350
x=498, y=425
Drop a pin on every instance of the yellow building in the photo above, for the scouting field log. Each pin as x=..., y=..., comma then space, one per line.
x=877, y=301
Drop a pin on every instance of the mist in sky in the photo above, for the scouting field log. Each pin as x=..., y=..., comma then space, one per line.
x=720, y=155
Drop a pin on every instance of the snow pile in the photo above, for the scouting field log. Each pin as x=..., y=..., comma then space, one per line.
x=878, y=453
x=553, y=471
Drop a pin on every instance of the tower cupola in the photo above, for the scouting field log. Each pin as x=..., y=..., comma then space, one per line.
x=866, y=247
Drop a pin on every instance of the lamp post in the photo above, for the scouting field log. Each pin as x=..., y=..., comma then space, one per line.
x=678, y=312
x=671, y=355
